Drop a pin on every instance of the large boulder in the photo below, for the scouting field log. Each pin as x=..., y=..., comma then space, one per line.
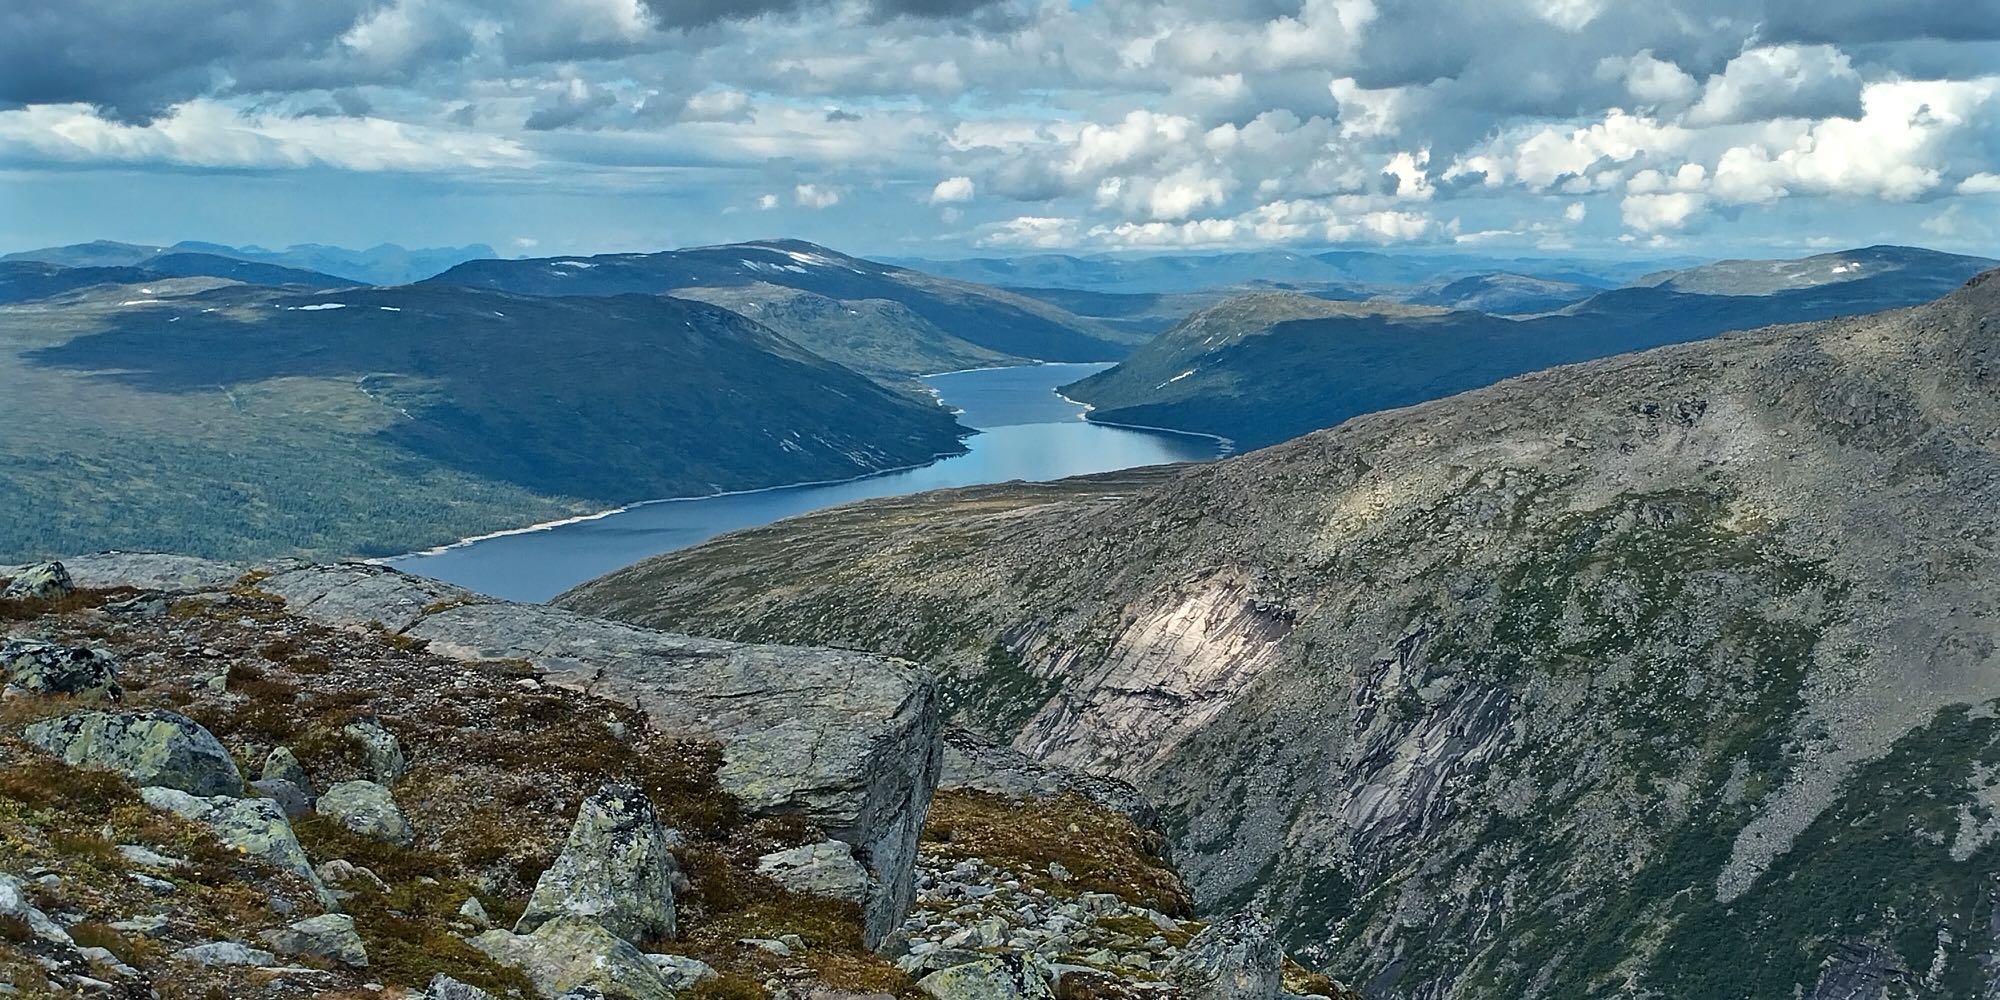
x=827, y=868
x=33, y=667
x=153, y=571
x=1234, y=958
x=444, y=987
x=154, y=747
x=570, y=953
x=256, y=827
x=1002, y=977
x=368, y=809
x=615, y=869
x=330, y=936
x=283, y=765
x=847, y=740
x=42, y=581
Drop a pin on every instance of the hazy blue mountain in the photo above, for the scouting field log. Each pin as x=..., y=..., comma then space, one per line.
x=1339, y=273
x=387, y=264
x=26, y=280
x=1501, y=293
x=242, y=420
x=1266, y=368
x=991, y=318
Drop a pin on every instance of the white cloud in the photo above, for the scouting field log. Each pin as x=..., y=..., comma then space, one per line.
x=722, y=105
x=204, y=133
x=767, y=202
x=1986, y=183
x=1031, y=231
x=1780, y=81
x=815, y=196
x=1651, y=213
x=1574, y=213
x=952, y=189
x=1650, y=80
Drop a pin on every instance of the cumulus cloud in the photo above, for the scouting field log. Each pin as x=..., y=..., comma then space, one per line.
x=952, y=189
x=815, y=196
x=1781, y=81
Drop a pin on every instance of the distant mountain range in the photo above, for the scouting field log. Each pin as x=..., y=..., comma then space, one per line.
x=1272, y=366
x=1357, y=273
x=988, y=318
x=227, y=419
x=26, y=280
x=387, y=264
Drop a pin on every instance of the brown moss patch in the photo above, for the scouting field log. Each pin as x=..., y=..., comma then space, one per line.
x=1104, y=850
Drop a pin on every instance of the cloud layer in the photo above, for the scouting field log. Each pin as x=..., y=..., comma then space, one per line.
x=935, y=126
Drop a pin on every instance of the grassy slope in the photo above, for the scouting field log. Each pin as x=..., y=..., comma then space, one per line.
x=254, y=429
x=873, y=336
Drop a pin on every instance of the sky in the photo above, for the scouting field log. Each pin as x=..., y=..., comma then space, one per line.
x=949, y=128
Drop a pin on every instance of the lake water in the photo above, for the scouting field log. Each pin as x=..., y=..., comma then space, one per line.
x=1027, y=431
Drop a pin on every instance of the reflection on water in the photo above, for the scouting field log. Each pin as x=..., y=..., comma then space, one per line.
x=1028, y=432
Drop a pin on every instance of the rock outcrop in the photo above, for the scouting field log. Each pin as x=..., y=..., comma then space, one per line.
x=153, y=747
x=827, y=868
x=997, y=978
x=329, y=936
x=614, y=870
x=41, y=581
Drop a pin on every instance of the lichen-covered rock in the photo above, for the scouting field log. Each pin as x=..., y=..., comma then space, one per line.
x=33, y=667
x=444, y=987
x=154, y=747
x=287, y=795
x=681, y=972
x=827, y=868
x=615, y=869
x=1002, y=977
x=256, y=827
x=368, y=809
x=217, y=953
x=1235, y=958
x=282, y=765
x=42, y=580
x=569, y=953
x=14, y=905
x=330, y=936
x=381, y=748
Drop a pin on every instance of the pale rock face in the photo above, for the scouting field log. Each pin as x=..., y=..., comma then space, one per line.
x=256, y=827
x=681, y=972
x=827, y=868
x=1235, y=958
x=330, y=936
x=1002, y=977
x=569, y=953
x=154, y=747
x=32, y=667
x=153, y=571
x=444, y=987
x=219, y=953
x=369, y=810
x=615, y=869
x=42, y=580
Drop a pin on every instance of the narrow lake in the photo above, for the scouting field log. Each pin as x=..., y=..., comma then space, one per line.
x=1027, y=432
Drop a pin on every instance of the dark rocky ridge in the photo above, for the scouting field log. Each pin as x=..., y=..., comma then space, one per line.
x=1669, y=674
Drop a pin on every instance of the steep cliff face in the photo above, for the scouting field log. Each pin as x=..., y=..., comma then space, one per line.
x=1669, y=674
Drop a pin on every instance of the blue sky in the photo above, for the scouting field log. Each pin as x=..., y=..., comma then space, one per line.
x=954, y=127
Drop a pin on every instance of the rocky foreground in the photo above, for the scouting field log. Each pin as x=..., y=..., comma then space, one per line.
x=223, y=781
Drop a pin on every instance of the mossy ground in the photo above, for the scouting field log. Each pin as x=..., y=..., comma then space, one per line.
x=498, y=764
x=1104, y=851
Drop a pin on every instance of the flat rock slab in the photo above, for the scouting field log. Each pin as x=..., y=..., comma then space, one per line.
x=153, y=571
x=360, y=593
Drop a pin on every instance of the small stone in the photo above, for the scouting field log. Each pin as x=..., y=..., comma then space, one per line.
x=145, y=881
x=341, y=872
x=384, y=752
x=368, y=809
x=329, y=936
x=283, y=765
x=778, y=948
x=148, y=926
x=1058, y=872
x=681, y=972
x=288, y=796
x=41, y=581
x=147, y=858
x=475, y=912
x=444, y=987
